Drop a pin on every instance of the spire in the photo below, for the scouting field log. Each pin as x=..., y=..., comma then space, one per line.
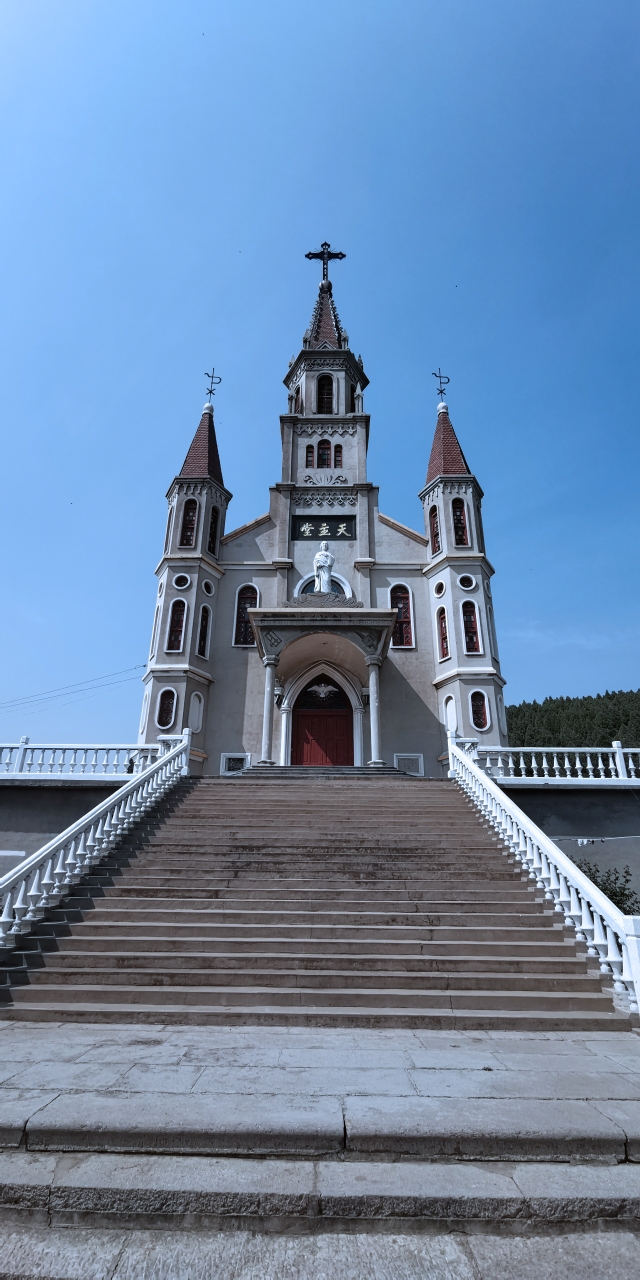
x=325, y=330
x=447, y=458
x=203, y=458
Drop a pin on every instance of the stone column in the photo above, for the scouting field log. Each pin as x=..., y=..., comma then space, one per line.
x=286, y=735
x=374, y=708
x=270, y=662
x=358, y=741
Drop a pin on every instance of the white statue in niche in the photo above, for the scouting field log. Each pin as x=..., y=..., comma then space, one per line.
x=323, y=563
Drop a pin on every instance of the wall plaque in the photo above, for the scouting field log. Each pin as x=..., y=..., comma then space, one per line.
x=323, y=528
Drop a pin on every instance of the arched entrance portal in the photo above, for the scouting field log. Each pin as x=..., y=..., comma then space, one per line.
x=322, y=725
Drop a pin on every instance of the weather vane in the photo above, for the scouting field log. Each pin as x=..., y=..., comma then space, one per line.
x=442, y=382
x=325, y=255
x=214, y=381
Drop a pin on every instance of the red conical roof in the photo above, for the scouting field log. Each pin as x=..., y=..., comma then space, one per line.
x=447, y=458
x=325, y=329
x=203, y=458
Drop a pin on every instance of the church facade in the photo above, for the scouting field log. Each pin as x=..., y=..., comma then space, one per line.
x=324, y=632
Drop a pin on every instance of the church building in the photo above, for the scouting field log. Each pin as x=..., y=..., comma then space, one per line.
x=324, y=632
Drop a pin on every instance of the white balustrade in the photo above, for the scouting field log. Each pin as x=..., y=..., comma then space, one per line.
x=45, y=760
x=593, y=766
x=45, y=876
x=611, y=938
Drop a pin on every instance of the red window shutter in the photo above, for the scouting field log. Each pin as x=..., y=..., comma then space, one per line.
x=402, y=637
x=247, y=599
x=459, y=523
x=479, y=710
x=176, y=625
x=324, y=453
x=443, y=635
x=471, y=634
x=189, y=517
x=337, y=456
x=309, y=462
x=434, y=527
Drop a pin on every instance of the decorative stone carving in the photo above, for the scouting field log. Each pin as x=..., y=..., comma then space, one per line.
x=323, y=600
x=324, y=498
x=324, y=478
x=325, y=428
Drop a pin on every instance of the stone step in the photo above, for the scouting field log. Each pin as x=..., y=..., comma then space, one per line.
x=490, y=1019
x=371, y=962
x=335, y=978
x=106, y=911
x=349, y=932
x=398, y=997
x=555, y=947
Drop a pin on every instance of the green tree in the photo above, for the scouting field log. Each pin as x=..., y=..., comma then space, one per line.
x=576, y=722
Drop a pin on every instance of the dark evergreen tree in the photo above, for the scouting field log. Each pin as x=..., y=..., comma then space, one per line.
x=576, y=722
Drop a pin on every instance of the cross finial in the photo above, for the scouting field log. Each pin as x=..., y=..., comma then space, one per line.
x=214, y=381
x=325, y=254
x=442, y=382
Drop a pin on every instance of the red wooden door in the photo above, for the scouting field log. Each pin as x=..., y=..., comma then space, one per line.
x=322, y=737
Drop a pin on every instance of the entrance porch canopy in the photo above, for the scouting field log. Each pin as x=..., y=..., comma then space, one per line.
x=370, y=630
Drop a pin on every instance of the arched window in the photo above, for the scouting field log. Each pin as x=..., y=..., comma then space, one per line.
x=479, y=709
x=434, y=528
x=189, y=517
x=324, y=453
x=310, y=452
x=154, y=633
x=196, y=707
x=337, y=456
x=402, y=637
x=203, y=631
x=459, y=523
x=247, y=599
x=325, y=394
x=309, y=587
x=443, y=635
x=213, y=531
x=166, y=708
x=176, y=626
x=167, y=539
x=297, y=403
x=352, y=398
x=470, y=623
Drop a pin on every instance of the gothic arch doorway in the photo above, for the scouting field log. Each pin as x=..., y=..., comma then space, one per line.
x=322, y=729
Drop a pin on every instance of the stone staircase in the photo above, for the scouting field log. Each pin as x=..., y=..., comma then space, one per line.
x=307, y=899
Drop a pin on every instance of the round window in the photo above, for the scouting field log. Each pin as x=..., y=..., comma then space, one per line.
x=181, y=581
x=208, y=588
x=466, y=582
x=439, y=589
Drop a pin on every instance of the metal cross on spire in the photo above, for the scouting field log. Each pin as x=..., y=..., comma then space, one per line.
x=214, y=381
x=325, y=254
x=442, y=382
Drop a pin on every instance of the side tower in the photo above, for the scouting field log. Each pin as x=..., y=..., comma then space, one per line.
x=178, y=676
x=467, y=676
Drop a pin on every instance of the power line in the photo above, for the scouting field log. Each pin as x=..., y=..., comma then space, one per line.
x=63, y=689
x=84, y=697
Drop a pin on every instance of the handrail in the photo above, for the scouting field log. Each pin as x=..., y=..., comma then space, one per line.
x=28, y=759
x=611, y=937
x=41, y=879
x=561, y=764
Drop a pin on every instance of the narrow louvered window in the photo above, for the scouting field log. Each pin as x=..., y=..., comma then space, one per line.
x=352, y=398
x=434, y=528
x=189, y=517
x=459, y=523
x=203, y=631
x=309, y=462
x=470, y=621
x=213, y=531
x=324, y=453
x=479, y=710
x=402, y=637
x=176, y=626
x=337, y=456
x=443, y=635
x=297, y=403
x=247, y=599
x=325, y=393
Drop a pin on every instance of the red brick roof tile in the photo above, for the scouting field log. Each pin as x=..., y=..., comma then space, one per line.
x=203, y=458
x=447, y=458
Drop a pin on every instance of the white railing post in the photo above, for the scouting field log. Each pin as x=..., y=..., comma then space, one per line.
x=621, y=764
x=20, y=755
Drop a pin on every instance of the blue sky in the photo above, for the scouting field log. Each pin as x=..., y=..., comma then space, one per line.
x=165, y=168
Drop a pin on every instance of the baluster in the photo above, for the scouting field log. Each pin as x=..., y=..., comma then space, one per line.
x=575, y=909
x=631, y=763
x=627, y=978
x=585, y=933
x=20, y=908
x=600, y=942
x=564, y=897
x=34, y=895
x=536, y=864
x=554, y=886
x=71, y=872
x=555, y=767
x=589, y=764
x=545, y=876
x=526, y=855
x=545, y=765
x=48, y=886
x=72, y=762
x=7, y=939
x=59, y=873
x=614, y=957
x=567, y=765
x=600, y=765
x=82, y=859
